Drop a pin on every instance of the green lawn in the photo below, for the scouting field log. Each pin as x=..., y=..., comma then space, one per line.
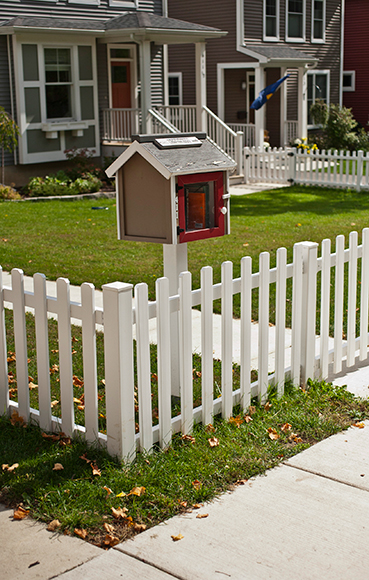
x=73, y=240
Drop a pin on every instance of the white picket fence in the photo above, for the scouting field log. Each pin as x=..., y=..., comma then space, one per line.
x=121, y=311
x=324, y=168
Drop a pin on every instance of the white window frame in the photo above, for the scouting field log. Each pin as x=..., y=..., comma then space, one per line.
x=313, y=39
x=180, y=86
x=71, y=83
x=315, y=72
x=351, y=88
x=94, y=2
x=271, y=38
x=298, y=39
x=123, y=3
x=59, y=126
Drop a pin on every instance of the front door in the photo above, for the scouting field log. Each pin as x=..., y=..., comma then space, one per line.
x=120, y=85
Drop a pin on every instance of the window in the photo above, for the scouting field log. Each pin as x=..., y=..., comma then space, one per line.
x=348, y=81
x=295, y=20
x=175, y=88
x=318, y=21
x=271, y=19
x=58, y=83
x=318, y=88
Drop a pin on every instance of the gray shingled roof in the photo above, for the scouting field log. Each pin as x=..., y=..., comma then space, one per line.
x=127, y=21
x=277, y=52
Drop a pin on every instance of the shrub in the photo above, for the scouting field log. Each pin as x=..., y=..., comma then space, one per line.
x=60, y=184
x=339, y=128
x=81, y=164
x=7, y=192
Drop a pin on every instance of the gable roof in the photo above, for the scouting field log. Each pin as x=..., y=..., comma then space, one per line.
x=278, y=53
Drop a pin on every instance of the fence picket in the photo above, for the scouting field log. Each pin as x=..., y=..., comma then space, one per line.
x=245, y=362
x=143, y=367
x=263, y=325
x=325, y=289
x=280, y=319
x=65, y=355
x=119, y=376
x=351, y=305
x=164, y=358
x=185, y=346
x=227, y=338
x=207, y=344
x=364, y=295
x=296, y=313
x=20, y=341
x=89, y=360
x=4, y=386
x=338, y=303
x=42, y=347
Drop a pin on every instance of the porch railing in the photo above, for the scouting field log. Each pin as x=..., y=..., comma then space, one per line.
x=290, y=131
x=248, y=131
x=181, y=116
x=156, y=123
x=120, y=124
x=224, y=137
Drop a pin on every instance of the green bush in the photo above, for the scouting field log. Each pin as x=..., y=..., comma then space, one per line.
x=60, y=184
x=7, y=192
x=339, y=130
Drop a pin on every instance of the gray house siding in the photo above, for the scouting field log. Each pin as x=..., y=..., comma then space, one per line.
x=5, y=92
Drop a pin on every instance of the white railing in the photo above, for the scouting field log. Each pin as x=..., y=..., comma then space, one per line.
x=120, y=317
x=224, y=138
x=248, y=131
x=181, y=116
x=290, y=131
x=157, y=124
x=120, y=124
x=324, y=168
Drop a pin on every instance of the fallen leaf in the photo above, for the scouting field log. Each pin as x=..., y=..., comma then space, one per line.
x=177, y=538
x=197, y=484
x=137, y=491
x=358, y=425
x=54, y=525
x=108, y=490
x=76, y=381
x=210, y=428
x=294, y=437
x=54, y=369
x=248, y=419
x=74, y=339
x=80, y=407
x=188, y=438
x=286, y=427
x=252, y=409
x=267, y=406
x=139, y=527
x=95, y=469
x=81, y=533
x=298, y=225
x=182, y=503
x=78, y=401
x=108, y=528
x=16, y=418
x=74, y=351
x=121, y=494
x=119, y=512
x=85, y=458
x=55, y=350
x=197, y=506
x=111, y=540
x=201, y=516
x=213, y=442
x=11, y=357
x=32, y=386
x=58, y=467
x=245, y=245
x=273, y=434
x=154, y=376
x=6, y=467
x=54, y=403
x=237, y=421
x=20, y=513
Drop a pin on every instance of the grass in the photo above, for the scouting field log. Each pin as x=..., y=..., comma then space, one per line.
x=74, y=240
x=163, y=483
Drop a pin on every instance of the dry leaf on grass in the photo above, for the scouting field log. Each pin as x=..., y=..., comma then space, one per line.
x=267, y=406
x=213, y=442
x=20, y=513
x=286, y=427
x=272, y=433
x=295, y=438
x=54, y=525
x=252, y=410
x=210, y=428
x=32, y=386
x=54, y=403
x=137, y=491
x=108, y=490
x=177, y=538
x=237, y=421
x=77, y=382
x=81, y=533
x=111, y=540
x=5, y=467
x=95, y=469
x=188, y=438
x=121, y=494
x=58, y=467
x=119, y=513
x=248, y=419
x=54, y=369
x=16, y=418
x=197, y=484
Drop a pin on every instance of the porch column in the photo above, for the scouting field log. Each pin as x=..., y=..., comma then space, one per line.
x=145, y=62
x=200, y=55
x=302, y=103
x=260, y=113
x=283, y=112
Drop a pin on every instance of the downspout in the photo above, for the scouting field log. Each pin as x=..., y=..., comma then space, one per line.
x=11, y=89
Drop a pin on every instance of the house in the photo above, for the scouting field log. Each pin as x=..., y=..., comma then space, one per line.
x=266, y=40
x=88, y=74
x=355, y=84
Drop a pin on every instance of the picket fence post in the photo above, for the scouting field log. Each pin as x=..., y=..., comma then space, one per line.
x=119, y=376
x=292, y=166
x=164, y=359
x=42, y=345
x=4, y=386
x=185, y=350
x=20, y=342
x=359, y=172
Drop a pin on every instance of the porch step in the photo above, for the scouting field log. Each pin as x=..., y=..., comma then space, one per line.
x=236, y=179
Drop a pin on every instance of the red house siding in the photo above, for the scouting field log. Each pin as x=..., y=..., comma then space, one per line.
x=356, y=52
